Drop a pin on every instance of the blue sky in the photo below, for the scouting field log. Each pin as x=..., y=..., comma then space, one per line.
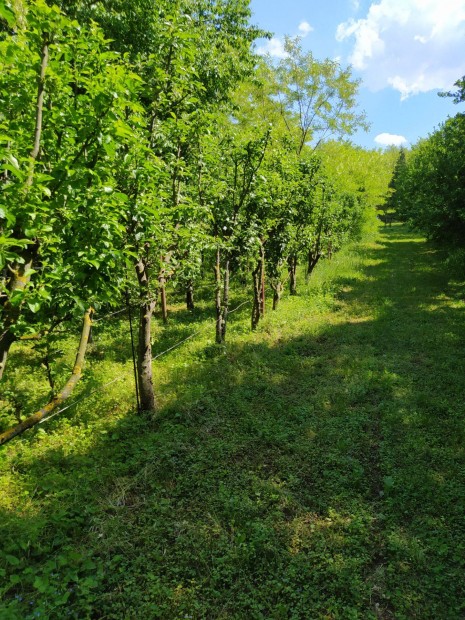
x=405, y=51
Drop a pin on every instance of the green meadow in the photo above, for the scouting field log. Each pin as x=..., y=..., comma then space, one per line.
x=313, y=469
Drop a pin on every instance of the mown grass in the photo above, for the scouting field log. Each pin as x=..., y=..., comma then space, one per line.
x=311, y=470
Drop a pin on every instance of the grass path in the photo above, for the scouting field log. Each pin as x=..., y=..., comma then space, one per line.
x=314, y=470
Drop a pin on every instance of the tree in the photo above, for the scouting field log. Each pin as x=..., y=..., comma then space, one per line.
x=67, y=108
x=190, y=56
x=234, y=160
x=393, y=202
x=431, y=193
x=317, y=100
x=319, y=96
x=459, y=94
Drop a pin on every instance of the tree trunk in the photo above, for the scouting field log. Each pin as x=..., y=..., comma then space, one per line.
x=262, y=258
x=65, y=392
x=225, y=299
x=292, y=267
x=311, y=264
x=144, y=361
x=277, y=292
x=10, y=313
x=164, y=307
x=219, y=318
x=222, y=297
x=6, y=340
x=190, y=296
x=258, y=275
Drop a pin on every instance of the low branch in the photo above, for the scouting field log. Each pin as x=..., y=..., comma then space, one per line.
x=31, y=337
x=61, y=396
x=39, y=109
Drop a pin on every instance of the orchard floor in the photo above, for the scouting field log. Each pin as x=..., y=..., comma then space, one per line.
x=312, y=470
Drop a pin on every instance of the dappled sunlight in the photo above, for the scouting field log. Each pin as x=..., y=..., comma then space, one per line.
x=304, y=528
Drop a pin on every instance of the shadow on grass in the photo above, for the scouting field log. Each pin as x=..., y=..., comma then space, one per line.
x=311, y=477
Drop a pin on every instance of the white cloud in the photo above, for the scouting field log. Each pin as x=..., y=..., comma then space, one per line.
x=305, y=28
x=274, y=47
x=413, y=46
x=390, y=139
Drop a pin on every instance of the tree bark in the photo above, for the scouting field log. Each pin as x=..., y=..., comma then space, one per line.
x=292, y=267
x=225, y=298
x=65, y=392
x=262, y=259
x=34, y=154
x=256, y=295
x=219, y=338
x=144, y=359
x=221, y=297
x=277, y=292
x=164, y=307
x=258, y=275
x=6, y=340
x=190, y=296
x=311, y=264
x=10, y=313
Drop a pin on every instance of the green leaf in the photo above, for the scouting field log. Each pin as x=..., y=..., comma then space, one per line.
x=41, y=584
x=13, y=560
x=13, y=170
x=7, y=14
x=388, y=482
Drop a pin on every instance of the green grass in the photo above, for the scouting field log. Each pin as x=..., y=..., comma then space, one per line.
x=311, y=470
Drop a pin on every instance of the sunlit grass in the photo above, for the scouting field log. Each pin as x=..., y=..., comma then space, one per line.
x=312, y=469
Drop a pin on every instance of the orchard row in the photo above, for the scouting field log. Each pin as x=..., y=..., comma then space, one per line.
x=145, y=142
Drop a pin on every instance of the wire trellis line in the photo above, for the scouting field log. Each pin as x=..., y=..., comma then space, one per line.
x=107, y=316
x=195, y=333
x=99, y=389
x=121, y=377
x=239, y=306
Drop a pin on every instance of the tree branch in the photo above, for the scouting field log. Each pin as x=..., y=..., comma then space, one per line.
x=65, y=392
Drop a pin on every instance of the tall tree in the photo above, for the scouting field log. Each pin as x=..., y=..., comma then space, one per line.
x=431, y=193
x=67, y=108
x=317, y=100
x=321, y=96
x=190, y=54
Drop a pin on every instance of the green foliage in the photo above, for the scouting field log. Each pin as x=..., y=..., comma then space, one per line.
x=364, y=174
x=431, y=190
x=459, y=95
x=394, y=201
x=137, y=160
x=65, y=205
x=318, y=96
